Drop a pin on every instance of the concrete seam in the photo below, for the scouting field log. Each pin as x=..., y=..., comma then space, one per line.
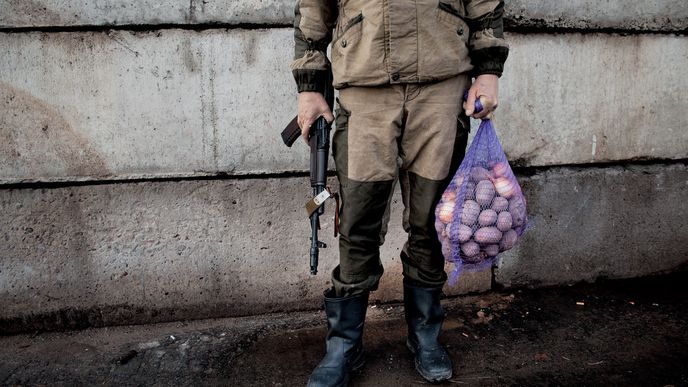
x=144, y=27
x=524, y=171
x=524, y=29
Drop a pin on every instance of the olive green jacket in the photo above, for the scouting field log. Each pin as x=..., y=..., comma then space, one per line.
x=377, y=42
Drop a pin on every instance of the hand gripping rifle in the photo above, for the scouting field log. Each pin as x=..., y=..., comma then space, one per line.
x=320, y=148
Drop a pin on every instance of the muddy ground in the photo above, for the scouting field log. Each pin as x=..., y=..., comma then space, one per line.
x=630, y=333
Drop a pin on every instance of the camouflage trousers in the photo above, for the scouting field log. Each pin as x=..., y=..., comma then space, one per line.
x=413, y=133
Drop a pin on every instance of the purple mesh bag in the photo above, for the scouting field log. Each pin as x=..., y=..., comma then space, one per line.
x=483, y=211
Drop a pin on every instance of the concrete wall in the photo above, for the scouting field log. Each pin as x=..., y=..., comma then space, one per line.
x=188, y=98
x=120, y=104
x=155, y=251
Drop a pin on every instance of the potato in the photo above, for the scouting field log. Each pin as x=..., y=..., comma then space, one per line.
x=504, y=221
x=479, y=174
x=458, y=180
x=491, y=250
x=447, y=230
x=505, y=187
x=449, y=196
x=501, y=169
x=470, y=212
x=447, y=212
x=470, y=248
x=465, y=233
x=488, y=235
x=508, y=240
x=500, y=204
x=488, y=217
x=469, y=190
x=443, y=230
x=484, y=192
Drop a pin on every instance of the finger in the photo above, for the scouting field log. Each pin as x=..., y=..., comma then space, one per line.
x=329, y=117
x=306, y=128
x=304, y=134
x=483, y=113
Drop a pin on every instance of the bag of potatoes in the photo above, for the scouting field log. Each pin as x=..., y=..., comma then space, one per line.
x=483, y=211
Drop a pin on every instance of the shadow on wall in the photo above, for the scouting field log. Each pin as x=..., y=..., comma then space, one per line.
x=35, y=138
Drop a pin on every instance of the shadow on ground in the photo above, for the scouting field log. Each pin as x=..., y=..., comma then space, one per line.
x=631, y=332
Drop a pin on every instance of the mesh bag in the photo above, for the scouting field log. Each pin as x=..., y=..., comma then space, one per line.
x=483, y=211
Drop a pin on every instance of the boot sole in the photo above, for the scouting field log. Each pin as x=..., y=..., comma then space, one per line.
x=428, y=378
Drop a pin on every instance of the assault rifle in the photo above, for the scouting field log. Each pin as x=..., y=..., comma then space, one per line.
x=320, y=148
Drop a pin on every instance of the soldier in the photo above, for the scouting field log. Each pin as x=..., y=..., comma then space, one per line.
x=401, y=68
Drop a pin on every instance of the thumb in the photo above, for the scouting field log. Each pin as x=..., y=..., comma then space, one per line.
x=470, y=102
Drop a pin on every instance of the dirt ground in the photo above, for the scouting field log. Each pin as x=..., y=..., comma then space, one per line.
x=623, y=333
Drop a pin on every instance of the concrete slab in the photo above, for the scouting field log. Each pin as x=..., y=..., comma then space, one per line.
x=79, y=105
x=121, y=105
x=161, y=251
x=57, y=13
x=600, y=223
x=653, y=15
x=656, y=15
x=588, y=98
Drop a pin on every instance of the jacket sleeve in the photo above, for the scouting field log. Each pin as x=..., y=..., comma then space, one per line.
x=313, y=25
x=488, y=49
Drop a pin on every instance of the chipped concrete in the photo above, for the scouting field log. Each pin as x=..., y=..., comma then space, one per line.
x=187, y=103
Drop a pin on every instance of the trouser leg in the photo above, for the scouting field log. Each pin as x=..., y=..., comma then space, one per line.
x=365, y=153
x=424, y=127
x=432, y=147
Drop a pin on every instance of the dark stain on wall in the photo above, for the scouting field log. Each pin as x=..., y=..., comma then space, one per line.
x=38, y=139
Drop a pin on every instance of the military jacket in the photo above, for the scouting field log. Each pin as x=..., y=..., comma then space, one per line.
x=377, y=42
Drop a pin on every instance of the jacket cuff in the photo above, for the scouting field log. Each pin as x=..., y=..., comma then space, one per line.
x=489, y=60
x=311, y=80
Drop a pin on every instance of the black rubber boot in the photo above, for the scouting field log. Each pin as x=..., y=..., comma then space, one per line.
x=345, y=317
x=424, y=316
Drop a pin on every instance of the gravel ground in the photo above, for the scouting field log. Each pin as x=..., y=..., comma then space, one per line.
x=631, y=333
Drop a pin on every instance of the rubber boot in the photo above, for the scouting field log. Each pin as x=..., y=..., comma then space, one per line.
x=344, y=342
x=424, y=316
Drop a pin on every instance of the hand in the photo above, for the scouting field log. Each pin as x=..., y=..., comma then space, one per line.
x=312, y=105
x=487, y=86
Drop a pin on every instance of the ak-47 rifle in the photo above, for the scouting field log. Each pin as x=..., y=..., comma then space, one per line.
x=320, y=148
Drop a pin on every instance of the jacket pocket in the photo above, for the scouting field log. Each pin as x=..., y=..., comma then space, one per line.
x=349, y=32
x=452, y=17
